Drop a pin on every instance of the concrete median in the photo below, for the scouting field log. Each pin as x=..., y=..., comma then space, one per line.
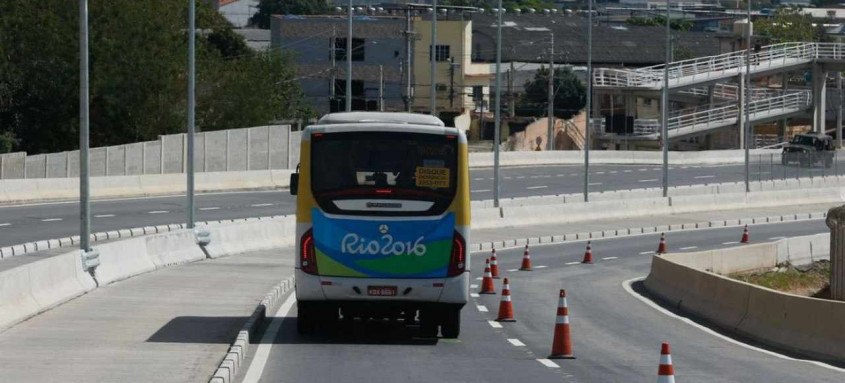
x=690, y=282
x=251, y=236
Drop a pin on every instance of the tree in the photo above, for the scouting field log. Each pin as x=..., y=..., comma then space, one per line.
x=138, y=74
x=570, y=94
x=267, y=8
x=789, y=25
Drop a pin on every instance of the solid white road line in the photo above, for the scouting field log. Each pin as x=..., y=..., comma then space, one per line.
x=540, y=267
x=210, y=208
x=480, y=191
x=627, y=286
x=494, y=324
x=648, y=180
x=572, y=263
x=104, y=216
x=730, y=243
x=646, y=252
x=609, y=258
x=689, y=247
x=262, y=353
x=537, y=187
x=261, y=204
x=51, y=219
x=482, y=308
x=158, y=212
x=548, y=363
x=700, y=177
x=516, y=342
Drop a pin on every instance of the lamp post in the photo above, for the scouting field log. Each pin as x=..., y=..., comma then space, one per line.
x=551, y=129
x=589, y=101
x=433, y=59
x=349, y=59
x=192, y=75
x=664, y=106
x=747, y=126
x=498, y=106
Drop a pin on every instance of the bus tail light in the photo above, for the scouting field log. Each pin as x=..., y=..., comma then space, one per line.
x=457, y=263
x=307, y=254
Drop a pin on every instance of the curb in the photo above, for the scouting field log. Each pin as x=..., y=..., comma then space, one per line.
x=229, y=367
x=552, y=239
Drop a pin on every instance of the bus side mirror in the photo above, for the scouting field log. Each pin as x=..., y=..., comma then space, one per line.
x=294, y=183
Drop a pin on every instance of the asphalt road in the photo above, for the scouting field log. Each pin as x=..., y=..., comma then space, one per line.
x=20, y=224
x=616, y=336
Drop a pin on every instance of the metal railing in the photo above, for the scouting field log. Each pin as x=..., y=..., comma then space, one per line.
x=703, y=69
x=731, y=92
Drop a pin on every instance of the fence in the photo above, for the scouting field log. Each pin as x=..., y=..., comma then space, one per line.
x=258, y=148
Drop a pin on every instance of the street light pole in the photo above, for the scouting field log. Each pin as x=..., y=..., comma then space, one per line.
x=498, y=112
x=349, y=59
x=664, y=106
x=433, y=59
x=551, y=130
x=84, y=191
x=589, y=101
x=747, y=126
x=192, y=75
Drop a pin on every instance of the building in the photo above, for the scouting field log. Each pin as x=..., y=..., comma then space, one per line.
x=318, y=44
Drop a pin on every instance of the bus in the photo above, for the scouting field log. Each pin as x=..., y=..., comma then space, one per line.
x=382, y=221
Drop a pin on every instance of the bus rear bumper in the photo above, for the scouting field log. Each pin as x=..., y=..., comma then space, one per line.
x=452, y=290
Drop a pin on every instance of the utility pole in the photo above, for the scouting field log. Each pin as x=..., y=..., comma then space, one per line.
x=381, y=88
x=333, y=55
x=433, y=59
x=551, y=132
x=664, y=106
x=511, y=98
x=349, y=60
x=747, y=100
x=89, y=257
x=498, y=122
x=408, y=35
x=192, y=75
x=589, y=101
x=452, y=82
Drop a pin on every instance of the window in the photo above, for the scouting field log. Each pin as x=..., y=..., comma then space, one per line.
x=357, y=49
x=442, y=52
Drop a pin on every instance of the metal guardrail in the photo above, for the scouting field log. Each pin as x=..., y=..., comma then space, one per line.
x=714, y=67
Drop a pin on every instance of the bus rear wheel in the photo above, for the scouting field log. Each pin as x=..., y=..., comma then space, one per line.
x=451, y=325
x=306, y=322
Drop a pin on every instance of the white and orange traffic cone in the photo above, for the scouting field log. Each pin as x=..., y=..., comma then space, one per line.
x=661, y=248
x=562, y=344
x=487, y=281
x=494, y=265
x=505, y=305
x=588, y=255
x=526, y=260
x=745, y=237
x=665, y=373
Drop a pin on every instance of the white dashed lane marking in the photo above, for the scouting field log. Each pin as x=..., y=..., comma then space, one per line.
x=689, y=247
x=701, y=177
x=482, y=308
x=548, y=363
x=494, y=324
x=730, y=243
x=648, y=180
x=512, y=270
x=595, y=183
x=473, y=286
x=478, y=179
x=5, y=224
x=572, y=263
x=646, y=252
x=261, y=204
x=158, y=212
x=51, y=219
x=540, y=267
x=516, y=342
x=480, y=191
x=474, y=295
x=609, y=258
x=478, y=278
x=599, y=172
x=209, y=208
x=537, y=187
x=628, y=171
x=104, y=216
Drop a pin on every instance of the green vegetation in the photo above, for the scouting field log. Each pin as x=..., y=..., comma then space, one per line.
x=807, y=281
x=570, y=94
x=138, y=74
x=789, y=25
x=267, y=8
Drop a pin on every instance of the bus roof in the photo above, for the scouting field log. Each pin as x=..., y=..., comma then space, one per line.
x=380, y=117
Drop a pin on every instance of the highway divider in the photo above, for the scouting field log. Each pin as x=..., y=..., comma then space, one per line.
x=618, y=157
x=695, y=283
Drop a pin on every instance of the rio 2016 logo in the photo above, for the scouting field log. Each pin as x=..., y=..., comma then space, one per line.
x=354, y=244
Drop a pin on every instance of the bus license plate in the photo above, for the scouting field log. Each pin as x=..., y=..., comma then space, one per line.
x=381, y=291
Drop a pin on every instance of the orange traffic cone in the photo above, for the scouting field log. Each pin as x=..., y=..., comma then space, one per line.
x=661, y=248
x=505, y=305
x=494, y=265
x=562, y=345
x=588, y=255
x=487, y=281
x=745, y=237
x=665, y=373
x=526, y=260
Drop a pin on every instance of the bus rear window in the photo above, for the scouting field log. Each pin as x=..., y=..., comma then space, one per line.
x=384, y=165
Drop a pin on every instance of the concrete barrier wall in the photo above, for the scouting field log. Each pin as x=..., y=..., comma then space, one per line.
x=251, y=236
x=689, y=282
x=617, y=157
x=257, y=148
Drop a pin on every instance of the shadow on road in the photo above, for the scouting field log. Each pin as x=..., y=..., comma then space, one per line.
x=195, y=329
x=371, y=332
